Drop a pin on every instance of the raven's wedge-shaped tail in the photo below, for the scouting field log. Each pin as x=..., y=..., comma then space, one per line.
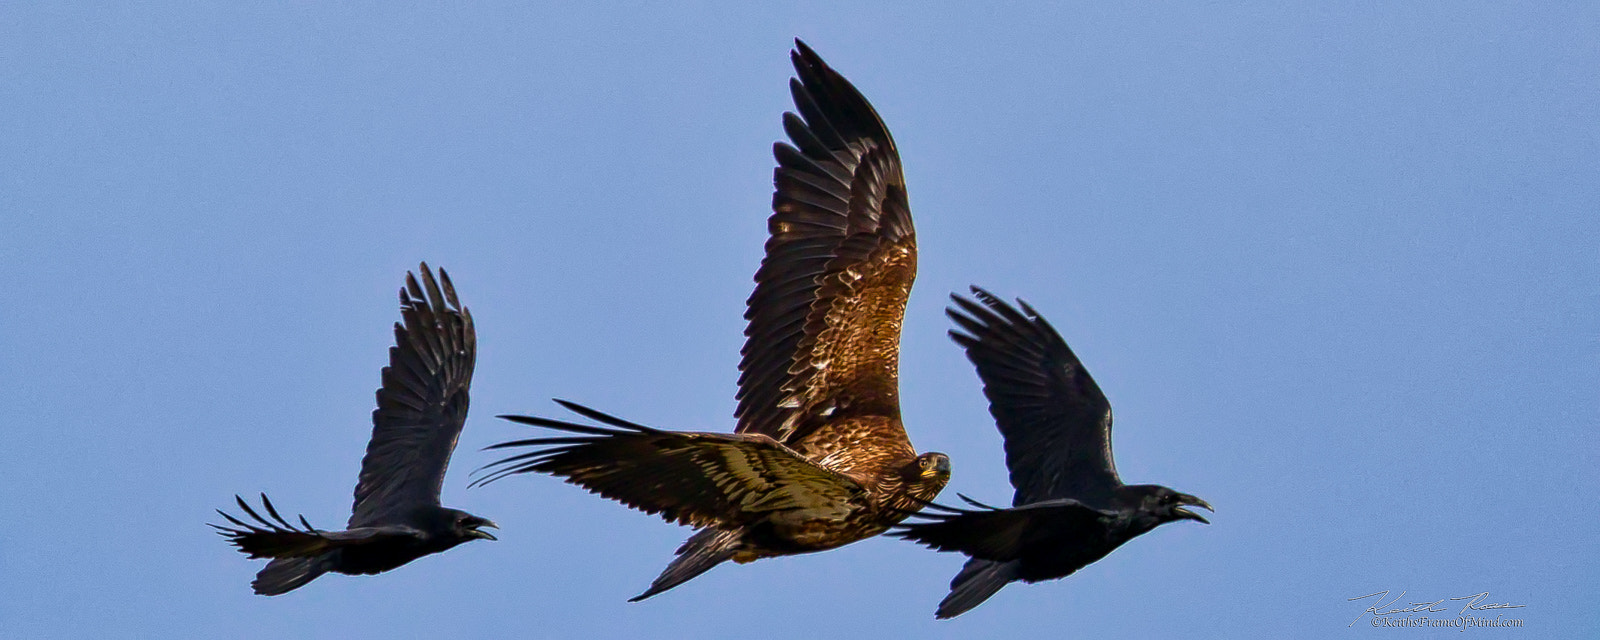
x=978, y=580
x=702, y=551
x=283, y=575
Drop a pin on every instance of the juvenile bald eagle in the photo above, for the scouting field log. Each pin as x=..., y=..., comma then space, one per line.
x=819, y=458
x=397, y=517
x=1070, y=507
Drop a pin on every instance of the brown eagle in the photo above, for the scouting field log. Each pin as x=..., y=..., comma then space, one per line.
x=819, y=458
x=396, y=518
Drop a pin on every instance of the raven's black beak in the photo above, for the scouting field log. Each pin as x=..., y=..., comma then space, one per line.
x=476, y=533
x=1182, y=513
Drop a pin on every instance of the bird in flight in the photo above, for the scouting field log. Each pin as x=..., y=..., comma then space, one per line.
x=1070, y=507
x=397, y=517
x=819, y=457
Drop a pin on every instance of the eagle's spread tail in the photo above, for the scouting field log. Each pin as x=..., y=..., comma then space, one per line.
x=978, y=580
x=702, y=551
x=283, y=575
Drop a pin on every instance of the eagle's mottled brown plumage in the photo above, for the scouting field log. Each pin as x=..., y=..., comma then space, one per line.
x=819, y=458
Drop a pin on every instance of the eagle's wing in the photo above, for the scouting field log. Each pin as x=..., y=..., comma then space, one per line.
x=421, y=405
x=699, y=479
x=1055, y=421
x=823, y=337
x=1003, y=534
x=278, y=538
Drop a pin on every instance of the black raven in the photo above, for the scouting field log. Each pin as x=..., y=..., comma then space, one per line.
x=1070, y=508
x=397, y=517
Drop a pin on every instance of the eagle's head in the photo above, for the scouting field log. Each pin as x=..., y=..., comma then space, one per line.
x=926, y=475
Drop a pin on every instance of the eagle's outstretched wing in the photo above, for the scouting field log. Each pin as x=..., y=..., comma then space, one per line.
x=699, y=479
x=823, y=337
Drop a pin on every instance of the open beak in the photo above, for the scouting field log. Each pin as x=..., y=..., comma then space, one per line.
x=477, y=533
x=1193, y=502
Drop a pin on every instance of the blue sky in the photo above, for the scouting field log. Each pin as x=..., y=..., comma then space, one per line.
x=1337, y=268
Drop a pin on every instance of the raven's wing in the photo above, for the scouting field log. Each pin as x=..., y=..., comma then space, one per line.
x=1055, y=420
x=422, y=404
x=1005, y=534
x=278, y=538
x=823, y=337
x=699, y=479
